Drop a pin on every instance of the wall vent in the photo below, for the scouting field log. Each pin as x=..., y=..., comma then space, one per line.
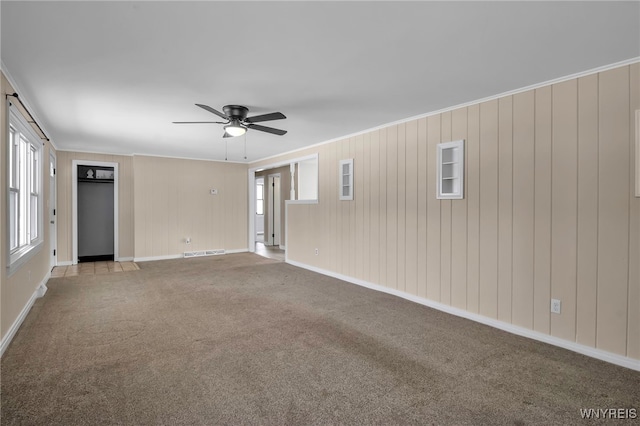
x=203, y=253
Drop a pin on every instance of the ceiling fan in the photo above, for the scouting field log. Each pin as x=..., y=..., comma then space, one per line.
x=237, y=121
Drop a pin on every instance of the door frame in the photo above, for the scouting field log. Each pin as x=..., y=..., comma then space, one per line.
x=258, y=180
x=53, y=210
x=273, y=208
x=252, y=198
x=74, y=205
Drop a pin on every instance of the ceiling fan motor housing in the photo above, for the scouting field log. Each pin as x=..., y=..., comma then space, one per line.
x=236, y=111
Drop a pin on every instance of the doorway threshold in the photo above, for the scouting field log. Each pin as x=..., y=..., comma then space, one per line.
x=271, y=252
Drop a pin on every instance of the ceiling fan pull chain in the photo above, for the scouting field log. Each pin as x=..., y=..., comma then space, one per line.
x=226, y=149
x=245, y=146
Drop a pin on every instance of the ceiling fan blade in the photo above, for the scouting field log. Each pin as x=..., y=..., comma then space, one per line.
x=198, y=122
x=266, y=117
x=218, y=113
x=266, y=129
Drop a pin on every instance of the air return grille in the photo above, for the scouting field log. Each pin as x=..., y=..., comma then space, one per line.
x=203, y=253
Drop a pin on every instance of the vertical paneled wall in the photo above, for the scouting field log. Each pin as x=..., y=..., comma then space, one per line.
x=125, y=201
x=173, y=202
x=549, y=211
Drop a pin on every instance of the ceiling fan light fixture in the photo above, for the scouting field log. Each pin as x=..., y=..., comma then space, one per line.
x=235, y=129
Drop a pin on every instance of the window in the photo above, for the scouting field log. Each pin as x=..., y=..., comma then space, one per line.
x=25, y=189
x=450, y=169
x=346, y=179
x=260, y=198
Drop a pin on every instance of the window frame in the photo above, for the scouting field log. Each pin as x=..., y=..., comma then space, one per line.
x=450, y=170
x=348, y=186
x=25, y=183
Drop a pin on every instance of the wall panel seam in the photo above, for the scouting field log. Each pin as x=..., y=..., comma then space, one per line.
x=466, y=185
x=551, y=211
x=630, y=193
x=575, y=297
x=498, y=209
x=597, y=207
x=451, y=227
x=513, y=101
x=535, y=116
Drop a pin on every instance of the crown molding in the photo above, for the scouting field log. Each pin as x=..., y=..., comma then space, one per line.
x=463, y=105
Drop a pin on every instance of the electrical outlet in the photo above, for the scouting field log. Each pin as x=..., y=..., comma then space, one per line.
x=214, y=192
x=555, y=306
x=188, y=240
x=316, y=252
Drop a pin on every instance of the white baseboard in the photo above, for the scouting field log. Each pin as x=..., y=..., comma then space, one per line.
x=39, y=292
x=244, y=250
x=180, y=256
x=153, y=258
x=612, y=358
x=283, y=247
x=65, y=263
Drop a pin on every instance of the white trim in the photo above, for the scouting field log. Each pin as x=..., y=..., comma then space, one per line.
x=76, y=151
x=244, y=250
x=251, y=240
x=286, y=228
x=181, y=256
x=272, y=212
x=186, y=158
x=65, y=263
x=281, y=246
x=39, y=292
x=302, y=201
x=612, y=358
x=53, y=205
x=125, y=259
x=154, y=258
x=283, y=162
x=463, y=105
x=74, y=205
x=139, y=154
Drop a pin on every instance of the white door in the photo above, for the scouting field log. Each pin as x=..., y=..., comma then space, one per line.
x=274, y=211
x=53, y=236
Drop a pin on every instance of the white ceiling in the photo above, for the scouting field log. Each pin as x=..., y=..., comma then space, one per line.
x=112, y=76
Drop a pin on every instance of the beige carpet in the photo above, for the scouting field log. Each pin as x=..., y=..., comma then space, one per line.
x=241, y=339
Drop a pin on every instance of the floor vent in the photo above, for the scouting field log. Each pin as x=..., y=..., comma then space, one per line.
x=203, y=253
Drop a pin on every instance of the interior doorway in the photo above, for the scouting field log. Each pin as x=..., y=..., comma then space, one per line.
x=95, y=211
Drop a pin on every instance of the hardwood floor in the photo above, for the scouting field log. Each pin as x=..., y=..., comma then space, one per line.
x=272, y=252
